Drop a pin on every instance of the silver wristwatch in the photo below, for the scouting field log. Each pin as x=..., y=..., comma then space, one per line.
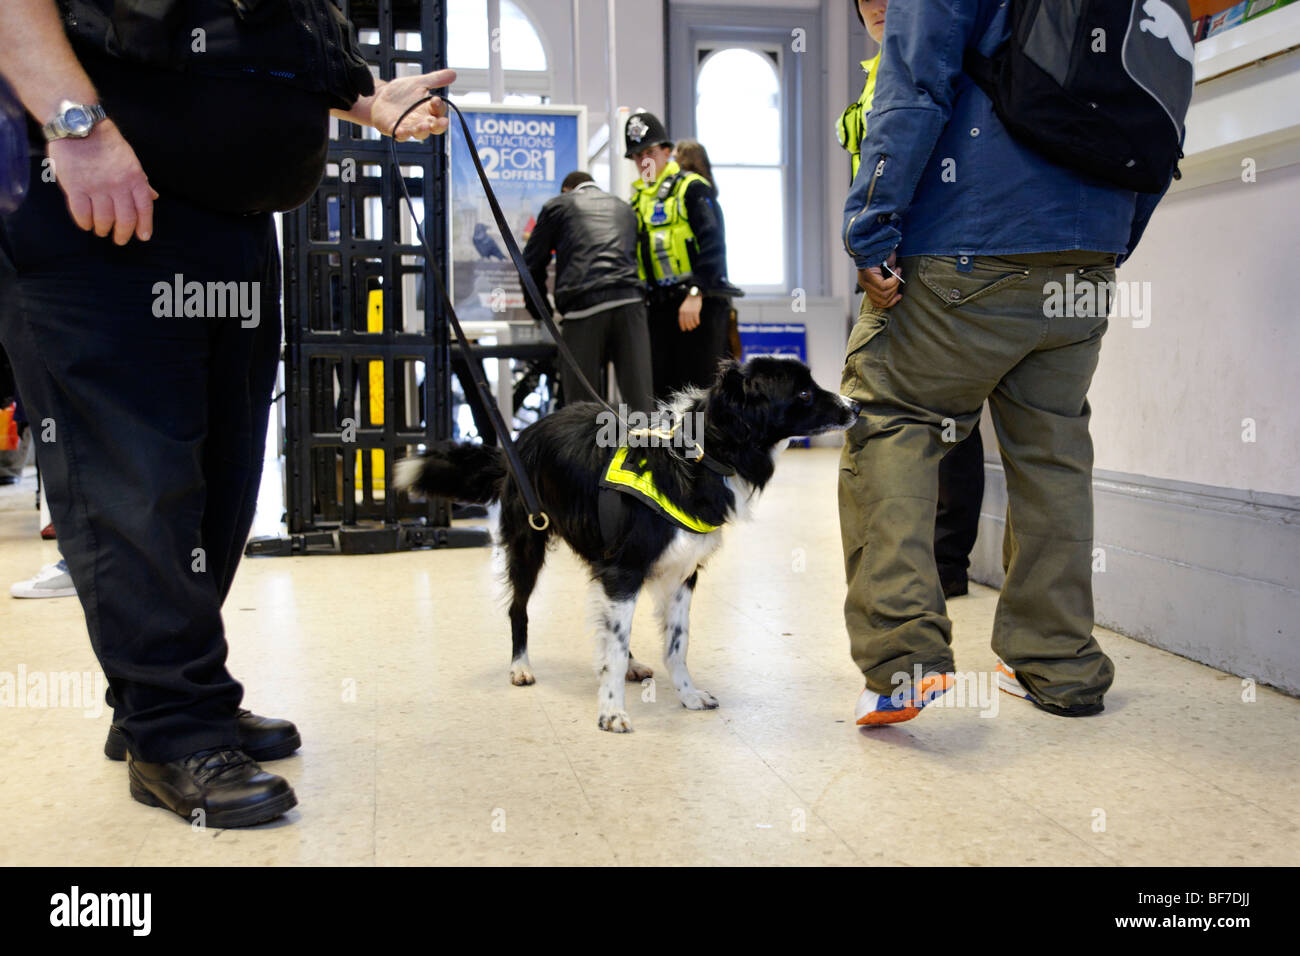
x=74, y=120
x=694, y=290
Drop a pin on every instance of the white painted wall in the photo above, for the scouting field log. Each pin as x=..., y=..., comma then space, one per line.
x=1223, y=344
x=1220, y=255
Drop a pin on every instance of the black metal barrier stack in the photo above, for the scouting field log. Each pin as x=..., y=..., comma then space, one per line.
x=367, y=365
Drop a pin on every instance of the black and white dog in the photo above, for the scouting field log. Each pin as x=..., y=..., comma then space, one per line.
x=746, y=417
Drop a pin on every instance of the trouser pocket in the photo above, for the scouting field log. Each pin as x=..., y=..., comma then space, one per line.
x=963, y=280
x=871, y=323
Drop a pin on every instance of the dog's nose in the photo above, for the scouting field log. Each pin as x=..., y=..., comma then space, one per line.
x=852, y=404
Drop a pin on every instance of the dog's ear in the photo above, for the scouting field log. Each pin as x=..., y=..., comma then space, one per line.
x=755, y=381
x=730, y=380
x=727, y=400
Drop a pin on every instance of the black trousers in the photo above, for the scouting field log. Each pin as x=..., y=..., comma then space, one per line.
x=159, y=428
x=686, y=359
x=961, y=493
x=617, y=335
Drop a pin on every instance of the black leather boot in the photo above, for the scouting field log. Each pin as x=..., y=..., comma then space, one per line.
x=226, y=785
x=262, y=738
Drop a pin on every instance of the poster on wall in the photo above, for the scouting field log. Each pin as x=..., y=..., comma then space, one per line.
x=526, y=152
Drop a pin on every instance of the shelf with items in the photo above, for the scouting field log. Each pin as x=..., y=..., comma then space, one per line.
x=1267, y=32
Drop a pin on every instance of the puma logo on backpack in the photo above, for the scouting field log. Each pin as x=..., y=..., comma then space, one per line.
x=1166, y=24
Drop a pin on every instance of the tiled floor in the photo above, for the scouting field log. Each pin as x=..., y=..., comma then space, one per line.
x=418, y=750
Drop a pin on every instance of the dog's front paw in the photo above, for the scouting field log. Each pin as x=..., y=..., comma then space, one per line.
x=696, y=699
x=521, y=675
x=616, y=722
x=636, y=671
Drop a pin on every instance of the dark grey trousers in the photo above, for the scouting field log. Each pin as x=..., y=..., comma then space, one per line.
x=619, y=335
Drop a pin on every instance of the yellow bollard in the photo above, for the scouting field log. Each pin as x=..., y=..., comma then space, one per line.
x=375, y=323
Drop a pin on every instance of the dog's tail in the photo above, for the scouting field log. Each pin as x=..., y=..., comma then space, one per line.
x=458, y=470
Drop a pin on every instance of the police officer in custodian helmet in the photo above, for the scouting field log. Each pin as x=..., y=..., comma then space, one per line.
x=682, y=258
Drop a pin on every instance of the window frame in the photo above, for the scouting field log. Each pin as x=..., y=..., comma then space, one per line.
x=521, y=82
x=706, y=50
x=524, y=82
x=805, y=129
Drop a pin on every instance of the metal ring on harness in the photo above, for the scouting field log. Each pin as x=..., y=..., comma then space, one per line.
x=699, y=448
x=545, y=522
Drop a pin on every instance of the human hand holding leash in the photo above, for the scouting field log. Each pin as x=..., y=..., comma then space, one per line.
x=391, y=100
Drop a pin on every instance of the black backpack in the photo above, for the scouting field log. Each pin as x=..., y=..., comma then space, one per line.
x=1101, y=86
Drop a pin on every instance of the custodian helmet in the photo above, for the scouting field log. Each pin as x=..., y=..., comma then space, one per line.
x=644, y=130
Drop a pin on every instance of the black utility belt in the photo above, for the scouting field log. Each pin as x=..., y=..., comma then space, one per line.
x=669, y=293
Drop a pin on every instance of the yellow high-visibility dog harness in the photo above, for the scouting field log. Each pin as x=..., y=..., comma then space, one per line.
x=636, y=480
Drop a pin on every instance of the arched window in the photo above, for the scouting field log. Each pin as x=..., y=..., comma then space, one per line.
x=521, y=53
x=738, y=121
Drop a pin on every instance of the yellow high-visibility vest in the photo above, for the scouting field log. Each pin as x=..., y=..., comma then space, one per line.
x=665, y=235
x=851, y=127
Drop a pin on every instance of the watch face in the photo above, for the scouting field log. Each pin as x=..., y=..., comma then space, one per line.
x=77, y=120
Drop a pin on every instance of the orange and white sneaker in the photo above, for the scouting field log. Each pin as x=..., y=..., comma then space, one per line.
x=1008, y=682
x=905, y=703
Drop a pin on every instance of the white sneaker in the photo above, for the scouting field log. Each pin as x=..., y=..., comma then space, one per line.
x=1008, y=682
x=51, y=581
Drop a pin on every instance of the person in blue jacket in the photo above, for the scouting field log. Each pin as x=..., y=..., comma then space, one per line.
x=958, y=231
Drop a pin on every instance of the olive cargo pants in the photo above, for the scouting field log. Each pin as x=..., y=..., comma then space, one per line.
x=966, y=330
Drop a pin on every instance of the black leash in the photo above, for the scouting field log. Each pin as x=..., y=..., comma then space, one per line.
x=537, y=518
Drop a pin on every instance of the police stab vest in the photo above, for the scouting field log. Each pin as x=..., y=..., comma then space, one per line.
x=666, y=241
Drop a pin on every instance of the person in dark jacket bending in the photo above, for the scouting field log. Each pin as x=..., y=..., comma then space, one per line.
x=597, y=290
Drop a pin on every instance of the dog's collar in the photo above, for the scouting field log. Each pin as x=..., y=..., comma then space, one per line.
x=708, y=461
x=695, y=452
